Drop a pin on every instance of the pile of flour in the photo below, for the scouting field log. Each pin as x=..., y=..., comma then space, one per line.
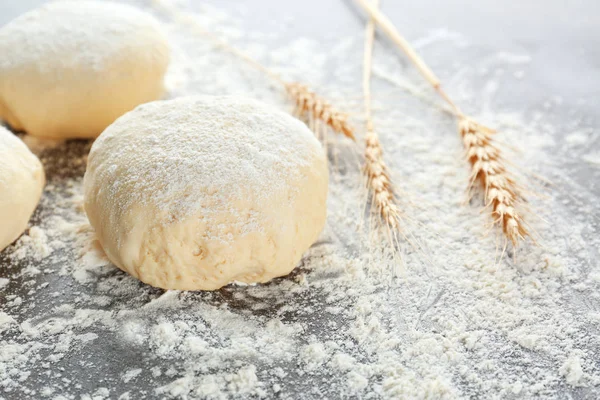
x=443, y=318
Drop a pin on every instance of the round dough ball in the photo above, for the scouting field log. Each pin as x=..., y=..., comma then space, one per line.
x=21, y=183
x=198, y=192
x=69, y=69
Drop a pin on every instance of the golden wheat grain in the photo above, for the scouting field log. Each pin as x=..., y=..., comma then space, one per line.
x=500, y=190
x=314, y=108
x=378, y=179
x=379, y=183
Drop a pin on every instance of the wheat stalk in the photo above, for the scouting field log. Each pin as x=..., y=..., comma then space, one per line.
x=501, y=192
x=309, y=105
x=378, y=178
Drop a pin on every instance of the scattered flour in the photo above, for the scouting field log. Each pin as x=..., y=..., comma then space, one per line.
x=351, y=321
x=592, y=158
x=572, y=370
x=131, y=374
x=34, y=244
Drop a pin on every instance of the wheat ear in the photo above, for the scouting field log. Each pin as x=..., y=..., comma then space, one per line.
x=378, y=178
x=314, y=108
x=309, y=105
x=501, y=192
x=500, y=189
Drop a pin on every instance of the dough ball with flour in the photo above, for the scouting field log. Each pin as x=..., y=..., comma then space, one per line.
x=197, y=192
x=21, y=183
x=70, y=68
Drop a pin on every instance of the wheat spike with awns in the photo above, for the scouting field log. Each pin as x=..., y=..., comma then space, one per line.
x=501, y=192
x=316, y=109
x=375, y=169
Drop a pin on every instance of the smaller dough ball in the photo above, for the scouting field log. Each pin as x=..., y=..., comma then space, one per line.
x=21, y=183
x=197, y=192
x=69, y=69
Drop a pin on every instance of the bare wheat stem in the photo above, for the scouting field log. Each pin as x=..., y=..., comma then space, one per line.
x=309, y=105
x=368, y=69
x=501, y=192
x=378, y=179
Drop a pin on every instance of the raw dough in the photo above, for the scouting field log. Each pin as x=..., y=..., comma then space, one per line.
x=69, y=69
x=21, y=183
x=197, y=192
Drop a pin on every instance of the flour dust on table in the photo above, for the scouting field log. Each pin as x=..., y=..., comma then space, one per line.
x=350, y=320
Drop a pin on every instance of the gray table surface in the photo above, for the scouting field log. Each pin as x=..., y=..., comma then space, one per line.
x=563, y=36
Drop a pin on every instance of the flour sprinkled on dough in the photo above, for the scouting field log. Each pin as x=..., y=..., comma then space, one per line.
x=197, y=192
x=70, y=68
x=21, y=183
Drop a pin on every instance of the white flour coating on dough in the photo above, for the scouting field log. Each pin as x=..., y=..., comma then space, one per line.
x=70, y=68
x=467, y=327
x=197, y=192
x=22, y=181
x=227, y=146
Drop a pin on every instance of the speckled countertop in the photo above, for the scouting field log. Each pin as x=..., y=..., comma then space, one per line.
x=557, y=80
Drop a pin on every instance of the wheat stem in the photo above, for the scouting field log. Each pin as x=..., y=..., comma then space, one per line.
x=378, y=179
x=309, y=105
x=367, y=69
x=501, y=192
x=388, y=27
